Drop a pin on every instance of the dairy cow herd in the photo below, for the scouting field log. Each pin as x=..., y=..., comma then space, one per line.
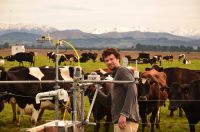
x=156, y=85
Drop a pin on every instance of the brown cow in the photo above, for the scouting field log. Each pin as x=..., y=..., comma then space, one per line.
x=151, y=95
x=179, y=75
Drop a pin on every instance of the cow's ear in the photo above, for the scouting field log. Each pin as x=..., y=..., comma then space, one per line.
x=185, y=89
x=164, y=89
x=147, y=69
x=153, y=82
x=161, y=69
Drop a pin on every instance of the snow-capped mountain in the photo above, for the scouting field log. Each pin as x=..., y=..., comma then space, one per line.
x=193, y=33
x=29, y=28
x=121, y=29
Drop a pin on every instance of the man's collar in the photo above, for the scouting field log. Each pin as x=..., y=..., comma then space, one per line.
x=115, y=70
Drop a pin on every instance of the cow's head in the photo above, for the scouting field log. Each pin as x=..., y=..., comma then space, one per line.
x=10, y=58
x=152, y=83
x=143, y=89
x=2, y=87
x=2, y=73
x=177, y=93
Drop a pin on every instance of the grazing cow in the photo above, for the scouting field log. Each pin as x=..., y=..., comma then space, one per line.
x=179, y=75
x=186, y=61
x=128, y=57
x=101, y=59
x=1, y=57
x=168, y=57
x=62, y=59
x=156, y=58
x=23, y=97
x=181, y=56
x=187, y=96
x=151, y=95
x=50, y=55
x=87, y=56
x=153, y=61
x=22, y=56
x=144, y=56
x=71, y=58
x=2, y=87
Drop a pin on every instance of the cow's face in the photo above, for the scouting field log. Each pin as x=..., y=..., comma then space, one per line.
x=146, y=88
x=10, y=58
x=177, y=93
x=2, y=74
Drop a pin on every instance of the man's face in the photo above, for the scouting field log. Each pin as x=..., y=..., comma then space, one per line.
x=112, y=62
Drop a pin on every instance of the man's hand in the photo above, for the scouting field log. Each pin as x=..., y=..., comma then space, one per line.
x=122, y=122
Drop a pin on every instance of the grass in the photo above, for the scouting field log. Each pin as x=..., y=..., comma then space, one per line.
x=168, y=124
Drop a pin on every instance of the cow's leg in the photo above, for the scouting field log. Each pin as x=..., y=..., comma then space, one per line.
x=158, y=119
x=97, y=126
x=171, y=114
x=180, y=112
x=20, y=113
x=144, y=121
x=192, y=127
x=34, y=117
x=40, y=114
x=108, y=121
x=152, y=119
x=13, y=105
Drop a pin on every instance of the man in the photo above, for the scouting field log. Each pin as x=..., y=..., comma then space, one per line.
x=124, y=107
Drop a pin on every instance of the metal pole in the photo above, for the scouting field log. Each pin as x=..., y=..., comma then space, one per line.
x=91, y=107
x=82, y=108
x=74, y=112
x=56, y=85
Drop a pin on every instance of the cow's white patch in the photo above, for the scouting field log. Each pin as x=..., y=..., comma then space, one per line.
x=36, y=72
x=64, y=72
x=102, y=71
x=2, y=62
x=143, y=80
x=109, y=78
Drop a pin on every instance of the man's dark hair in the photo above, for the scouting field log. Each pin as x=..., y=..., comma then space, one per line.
x=109, y=51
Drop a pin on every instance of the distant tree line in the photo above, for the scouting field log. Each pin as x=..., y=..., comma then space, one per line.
x=138, y=47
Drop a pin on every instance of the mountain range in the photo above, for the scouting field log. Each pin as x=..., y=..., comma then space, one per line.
x=112, y=37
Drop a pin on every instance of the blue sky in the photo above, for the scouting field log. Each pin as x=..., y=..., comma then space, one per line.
x=89, y=14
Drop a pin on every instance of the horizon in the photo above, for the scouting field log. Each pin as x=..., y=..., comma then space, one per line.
x=87, y=15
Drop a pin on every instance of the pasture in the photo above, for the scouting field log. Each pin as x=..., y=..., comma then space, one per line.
x=168, y=124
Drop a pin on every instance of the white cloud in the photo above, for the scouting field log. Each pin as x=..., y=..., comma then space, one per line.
x=84, y=14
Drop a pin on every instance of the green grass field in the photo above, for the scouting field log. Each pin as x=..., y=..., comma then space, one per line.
x=168, y=124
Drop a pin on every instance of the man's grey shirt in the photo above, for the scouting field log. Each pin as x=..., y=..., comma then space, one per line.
x=123, y=96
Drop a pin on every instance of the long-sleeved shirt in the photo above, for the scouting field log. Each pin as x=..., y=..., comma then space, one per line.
x=123, y=97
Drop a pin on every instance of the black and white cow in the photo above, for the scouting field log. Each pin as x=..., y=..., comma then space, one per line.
x=24, y=94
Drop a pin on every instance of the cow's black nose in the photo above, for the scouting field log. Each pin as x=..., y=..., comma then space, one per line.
x=143, y=98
